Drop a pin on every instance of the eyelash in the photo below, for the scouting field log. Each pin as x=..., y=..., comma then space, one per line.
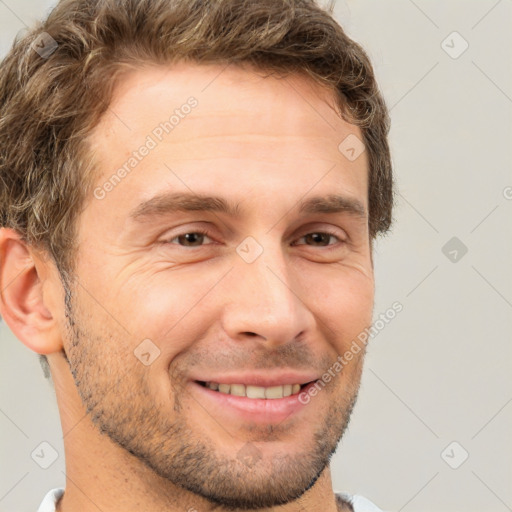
x=206, y=233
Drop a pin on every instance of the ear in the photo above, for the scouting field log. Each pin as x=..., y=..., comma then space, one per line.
x=23, y=305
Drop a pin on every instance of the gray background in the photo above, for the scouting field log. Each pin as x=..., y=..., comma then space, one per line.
x=440, y=371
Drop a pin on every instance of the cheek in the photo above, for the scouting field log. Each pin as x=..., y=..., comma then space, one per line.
x=170, y=306
x=343, y=300
x=181, y=304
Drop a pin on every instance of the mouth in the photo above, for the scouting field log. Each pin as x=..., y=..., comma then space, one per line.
x=255, y=392
x=254, y=403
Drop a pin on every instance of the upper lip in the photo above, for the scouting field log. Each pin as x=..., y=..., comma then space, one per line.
x=260, y=379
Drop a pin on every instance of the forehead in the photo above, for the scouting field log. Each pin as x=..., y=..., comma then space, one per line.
x=232, y=92
x=243, y=125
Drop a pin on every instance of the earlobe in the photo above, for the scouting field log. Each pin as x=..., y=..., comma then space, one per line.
x=22, y=301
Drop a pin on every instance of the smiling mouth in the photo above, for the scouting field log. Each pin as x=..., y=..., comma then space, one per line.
x=260, y=392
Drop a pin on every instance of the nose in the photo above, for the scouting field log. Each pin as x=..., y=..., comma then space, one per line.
x=265, y=302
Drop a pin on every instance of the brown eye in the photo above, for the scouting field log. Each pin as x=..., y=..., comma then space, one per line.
x=190, y=239
x=320, y=239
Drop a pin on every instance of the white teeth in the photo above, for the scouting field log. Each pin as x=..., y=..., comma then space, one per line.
x=274, y=392
x=224, y=388
x=237, y=389
x=255, y=391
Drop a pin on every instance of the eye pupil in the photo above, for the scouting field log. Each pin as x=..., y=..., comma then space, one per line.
x=319, y=237
x=191, y=238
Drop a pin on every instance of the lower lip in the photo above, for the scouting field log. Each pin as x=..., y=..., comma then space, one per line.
x=257, y=410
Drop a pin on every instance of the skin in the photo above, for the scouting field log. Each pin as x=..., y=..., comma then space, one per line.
x=141, y=437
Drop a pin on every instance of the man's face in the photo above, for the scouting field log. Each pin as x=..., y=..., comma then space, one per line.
x=269, y=297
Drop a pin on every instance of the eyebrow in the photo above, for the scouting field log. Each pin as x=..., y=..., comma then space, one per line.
x=168, y=202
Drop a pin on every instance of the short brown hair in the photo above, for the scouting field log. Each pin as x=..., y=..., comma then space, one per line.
x=50, y=103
